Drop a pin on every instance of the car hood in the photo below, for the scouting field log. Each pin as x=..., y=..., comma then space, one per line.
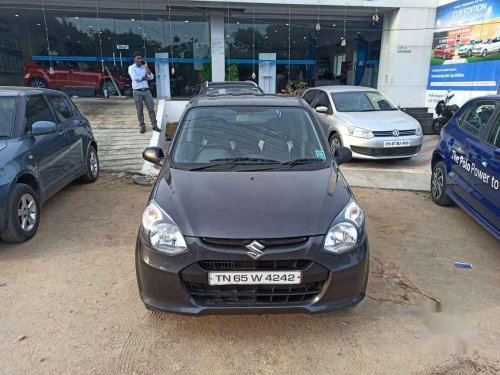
x=252, y=205
x=3, y=144
x=380, y=120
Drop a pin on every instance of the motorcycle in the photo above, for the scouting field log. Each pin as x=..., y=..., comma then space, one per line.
x=445, y=112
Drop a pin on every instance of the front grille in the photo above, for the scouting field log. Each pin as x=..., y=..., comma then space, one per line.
x=258, y=265
x=389, y=151
x=268, y=242
x=253, y=294
x=195, y=279
x=388, y=133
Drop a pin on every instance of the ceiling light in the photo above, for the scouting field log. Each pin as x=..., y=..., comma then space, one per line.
x=186, y=21
x=17, y=15
x=132, y=19
x=38, y=24
x=334, y=25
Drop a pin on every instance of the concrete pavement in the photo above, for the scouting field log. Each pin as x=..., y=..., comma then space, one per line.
x=406, y=174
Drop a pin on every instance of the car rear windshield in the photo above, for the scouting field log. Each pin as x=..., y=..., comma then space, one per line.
x=361, y=101
x=232, y=90
x=269, y=136
x=7, y=113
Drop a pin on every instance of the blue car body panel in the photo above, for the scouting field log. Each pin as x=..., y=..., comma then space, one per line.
x=51, y=161
x=473, y=163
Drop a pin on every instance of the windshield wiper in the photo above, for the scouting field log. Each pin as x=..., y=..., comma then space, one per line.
x=303, y=161
x=244, y=159
x=235, y=161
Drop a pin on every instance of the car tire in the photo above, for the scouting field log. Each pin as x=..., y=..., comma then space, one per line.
x=38, y=83
x=108, y=85
x=93, y=166
x=484, y=53
x=438, y=185
x=22, y=214
x=335, y=141
x=469, y=53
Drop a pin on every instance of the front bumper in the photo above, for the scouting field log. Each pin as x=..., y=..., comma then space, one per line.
x=166, y=282
x=374, y=149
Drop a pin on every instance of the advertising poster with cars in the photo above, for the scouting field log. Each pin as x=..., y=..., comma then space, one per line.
x=466, y=51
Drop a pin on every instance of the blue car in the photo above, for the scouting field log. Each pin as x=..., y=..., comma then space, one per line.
x=45, y=143
x=466, y=162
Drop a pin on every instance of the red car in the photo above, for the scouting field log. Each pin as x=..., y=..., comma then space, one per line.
x=443, y=51
x=66, y=74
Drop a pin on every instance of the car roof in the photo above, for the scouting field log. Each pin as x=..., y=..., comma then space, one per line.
x=231, y=83
x=22, y=91
x=342, y=88
x=260, y=100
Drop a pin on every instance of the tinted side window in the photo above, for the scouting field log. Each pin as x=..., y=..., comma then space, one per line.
x=322, y=100
x=476, y=119
x=37, y=109
x=309, y=96
x=494, y=138
x=61, y=107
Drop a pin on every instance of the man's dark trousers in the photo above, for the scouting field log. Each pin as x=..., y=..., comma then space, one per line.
x=144, y=96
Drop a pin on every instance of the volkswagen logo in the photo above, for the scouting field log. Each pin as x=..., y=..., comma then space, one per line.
x=254, y=249
x=395, y=132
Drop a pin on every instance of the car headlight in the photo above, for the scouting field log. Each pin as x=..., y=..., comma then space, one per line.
x=161, y=231
x=343, y=235
x=360, y=132
x=418, y=131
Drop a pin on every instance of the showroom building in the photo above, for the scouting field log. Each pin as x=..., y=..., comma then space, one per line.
x=378, y=43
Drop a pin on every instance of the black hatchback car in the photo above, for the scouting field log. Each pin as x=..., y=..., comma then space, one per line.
x=45, y=143
x=251, y=214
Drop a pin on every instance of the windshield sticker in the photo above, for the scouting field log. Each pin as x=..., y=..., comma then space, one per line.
x=320, y=154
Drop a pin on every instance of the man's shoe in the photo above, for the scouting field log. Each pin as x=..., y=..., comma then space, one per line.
x=143, y=130
x=156, y=128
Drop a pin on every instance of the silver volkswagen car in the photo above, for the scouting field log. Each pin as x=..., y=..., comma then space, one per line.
x=364, y=120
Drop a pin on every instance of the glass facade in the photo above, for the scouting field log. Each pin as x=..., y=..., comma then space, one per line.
x=312, y=56
x=75, y=42
x=68, y=49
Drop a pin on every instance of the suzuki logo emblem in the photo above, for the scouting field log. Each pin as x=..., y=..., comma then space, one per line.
x=255, y=249
x=395, y=132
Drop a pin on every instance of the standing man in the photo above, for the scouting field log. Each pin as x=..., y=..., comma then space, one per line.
x=140, y=74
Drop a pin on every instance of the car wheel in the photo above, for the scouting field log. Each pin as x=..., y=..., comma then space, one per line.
x=93, y=166
x=107, y=86
x=438, y=185
x=22, y=214
x=485, y=52
x=469, y=53
x=38, y=83
x=335, y=141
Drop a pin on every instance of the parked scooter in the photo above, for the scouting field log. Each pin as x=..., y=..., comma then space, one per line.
x=445, y=112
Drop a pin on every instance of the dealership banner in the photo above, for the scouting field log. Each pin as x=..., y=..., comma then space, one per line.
x=465, y=56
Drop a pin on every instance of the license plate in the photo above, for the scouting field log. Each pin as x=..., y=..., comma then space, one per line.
x=402, y=143
x=254, y=278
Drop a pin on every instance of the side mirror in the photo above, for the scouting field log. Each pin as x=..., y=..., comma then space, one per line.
x=43, y=127
x=342, y=155
x=322, y=109
x=154, y=155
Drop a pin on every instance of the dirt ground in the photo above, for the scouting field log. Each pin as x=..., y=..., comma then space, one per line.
x=70, y=304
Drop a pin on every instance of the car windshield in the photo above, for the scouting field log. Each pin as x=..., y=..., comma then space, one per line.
x=7, y=111
x=361, y=101
x=248, y=138
x=232, y=90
